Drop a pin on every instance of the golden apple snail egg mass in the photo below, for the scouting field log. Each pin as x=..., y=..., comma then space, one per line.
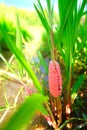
x=55, y=79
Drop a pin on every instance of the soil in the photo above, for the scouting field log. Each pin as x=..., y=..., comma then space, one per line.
x=39, y=122
x=79, y=112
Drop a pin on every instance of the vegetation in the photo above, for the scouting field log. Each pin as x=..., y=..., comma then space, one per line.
x=8, y=20
x=60, y=98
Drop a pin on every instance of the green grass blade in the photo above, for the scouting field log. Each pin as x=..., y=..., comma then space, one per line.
x=2, y=108
x=85, y=13
x=26, y=111
x=84, y=115
x=5, y=61
x=64, y=16
x=18, y=34
x=48, y=4
x=81, y=10
x=50, y=7
x=41, y=8
x=18, y=54
x=43, y=62
x=19, y=43
x=42, y=12
x=6, y=99
x=43, y=19
x=76, y=87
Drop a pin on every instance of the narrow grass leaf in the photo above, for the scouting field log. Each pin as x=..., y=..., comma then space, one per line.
x=85, y=13
x=3, y=108
x=84, y=115
x=5, y=61
x=43, y=62
x=41, y=8
x=76, y=87
x=19, y=43
x=18, y=34
x=48, y=4
x=22, y=60
x=43, y=19
x=81, y=10
x=64, y=16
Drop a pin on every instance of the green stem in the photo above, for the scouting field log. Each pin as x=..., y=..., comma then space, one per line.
x=69, y=81
x=50, y=17
x=69, y=120
x=52, y=43
x=67, y=89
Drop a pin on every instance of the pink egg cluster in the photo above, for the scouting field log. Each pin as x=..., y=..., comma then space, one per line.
x=55, y=79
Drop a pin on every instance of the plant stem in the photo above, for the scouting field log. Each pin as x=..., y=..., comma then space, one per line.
x=51, y=114
x=52, y=42
x=68, y=96
x=59, y=110
x=69, y=120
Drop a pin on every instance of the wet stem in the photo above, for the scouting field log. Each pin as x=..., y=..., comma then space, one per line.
x=51, y=114
x=52, y=42
x=67, y=96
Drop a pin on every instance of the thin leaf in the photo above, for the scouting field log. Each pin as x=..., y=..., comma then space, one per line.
x=76, y=87
x=84, y=115
x=41, y=8
x=3, y=108
x=19, y=43
x=64, y=15
x=43, y=19
x=5, y=61
x=52, y=9
x=80, y=13
x=26, y=111
x=42, y=12
x=18, y=34
x=84, y=13
x=50, y=12
x=48, y=4
x=22, y=60
x=6, y=108
x=6, y=99
x=8, y=74
x=43, y=62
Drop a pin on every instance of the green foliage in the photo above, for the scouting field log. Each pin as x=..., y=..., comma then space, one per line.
x=8, y=21
x=82, y=37
x=69, y=25
x=19, y=43
x=21, y=58
x=68, y=32
x=7, y=64
x=76, y=87
x=45, y=45
x=26, y=111
x=42, y=17
x=64, y=39
x=43, y=62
